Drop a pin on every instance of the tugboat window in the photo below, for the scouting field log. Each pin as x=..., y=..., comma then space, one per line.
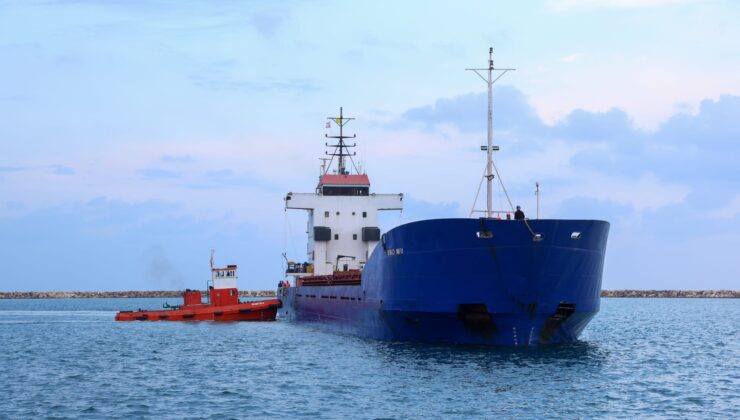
x=364, y=214
x=336, y=236
x=354, y=236
x=326, y=214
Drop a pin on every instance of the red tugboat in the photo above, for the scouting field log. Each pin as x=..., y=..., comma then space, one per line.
x=223, y=304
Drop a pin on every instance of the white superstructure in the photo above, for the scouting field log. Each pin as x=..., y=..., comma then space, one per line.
x=224, y=278
x=342, y=216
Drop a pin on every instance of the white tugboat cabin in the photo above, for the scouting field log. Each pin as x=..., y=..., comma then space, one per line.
x=342, y=215
x=224, y=278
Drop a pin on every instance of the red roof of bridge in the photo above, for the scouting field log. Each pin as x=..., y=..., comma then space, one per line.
x=335, y=179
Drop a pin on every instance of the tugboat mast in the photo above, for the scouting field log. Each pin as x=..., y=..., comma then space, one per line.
x=340, y=149
x=490, y=148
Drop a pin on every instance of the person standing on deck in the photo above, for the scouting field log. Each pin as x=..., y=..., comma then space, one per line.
x=518, y=214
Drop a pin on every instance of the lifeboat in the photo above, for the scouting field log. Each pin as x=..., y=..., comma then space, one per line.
x=222, y=305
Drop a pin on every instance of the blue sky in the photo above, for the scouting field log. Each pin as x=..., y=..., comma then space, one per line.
x=136, y=136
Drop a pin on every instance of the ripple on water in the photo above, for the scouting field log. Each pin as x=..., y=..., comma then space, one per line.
x=639, y=357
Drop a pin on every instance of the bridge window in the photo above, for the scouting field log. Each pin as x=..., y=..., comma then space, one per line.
x=364, y=214
x=336, y=236
x=326, y=214
x=328, y=190
x=354, y=236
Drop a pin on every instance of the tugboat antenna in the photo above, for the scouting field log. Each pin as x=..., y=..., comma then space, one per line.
x=490, y=148
x=340, y=149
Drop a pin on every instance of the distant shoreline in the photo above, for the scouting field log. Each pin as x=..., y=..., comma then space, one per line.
x=271, y=293
x=122, y=294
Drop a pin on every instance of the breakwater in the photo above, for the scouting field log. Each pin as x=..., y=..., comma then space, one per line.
x=271, y=293
x=671, y=293
x=125, y=294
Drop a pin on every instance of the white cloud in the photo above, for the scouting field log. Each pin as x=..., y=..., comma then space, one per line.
x=647, y=88
x=571, y=58
x=643, y=193
x=565, y=5
x=728, y=211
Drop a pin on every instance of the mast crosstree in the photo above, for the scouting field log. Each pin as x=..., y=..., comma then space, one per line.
x=341, y=148
x=490, y=148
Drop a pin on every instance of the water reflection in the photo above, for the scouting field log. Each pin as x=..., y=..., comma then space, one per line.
x=581, y=353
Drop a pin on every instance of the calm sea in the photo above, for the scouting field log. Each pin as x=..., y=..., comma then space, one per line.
x=638, y=358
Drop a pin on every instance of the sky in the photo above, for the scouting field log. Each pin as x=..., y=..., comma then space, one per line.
x=137, y=136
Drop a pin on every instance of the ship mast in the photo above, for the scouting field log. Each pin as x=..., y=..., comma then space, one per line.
x=490, y=148
x=340, y=149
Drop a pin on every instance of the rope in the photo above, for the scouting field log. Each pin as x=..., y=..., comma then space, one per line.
x=284, y=268
x=501, y=181
x=328, y=166
x=472, y=209
x=353, y=163
x=506, y=193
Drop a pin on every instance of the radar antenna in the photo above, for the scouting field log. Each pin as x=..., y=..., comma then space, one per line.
x=490, y=148
x=341, y=148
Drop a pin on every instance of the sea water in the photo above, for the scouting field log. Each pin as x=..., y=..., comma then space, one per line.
x=67, y=358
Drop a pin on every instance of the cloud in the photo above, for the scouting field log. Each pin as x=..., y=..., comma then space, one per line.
x=157, y=173
x=212, y=82
x=62, y=170
x=729, y=211
x=596, y=126
x=563, y=5
x=55, y=169
x=267, y=24
x=571, y=58
x=467, y=112
x=9, y=169
x=699, y=150
x=108, y=244
x=674, y=185
x=176, y=159
x=227, y=178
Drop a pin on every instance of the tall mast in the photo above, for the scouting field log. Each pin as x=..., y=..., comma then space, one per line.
x=490, y=148
x=340, y=149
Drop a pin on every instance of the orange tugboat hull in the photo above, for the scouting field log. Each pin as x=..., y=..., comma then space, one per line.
x=263, y=310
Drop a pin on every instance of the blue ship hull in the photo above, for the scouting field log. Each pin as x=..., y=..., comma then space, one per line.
x=468, y=281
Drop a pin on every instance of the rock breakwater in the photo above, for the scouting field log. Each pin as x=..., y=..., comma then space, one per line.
x=271, y=293
x=671, y=293
x=125, y=294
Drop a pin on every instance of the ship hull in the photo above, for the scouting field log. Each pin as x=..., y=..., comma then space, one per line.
x=265, y=310
x=468, y=281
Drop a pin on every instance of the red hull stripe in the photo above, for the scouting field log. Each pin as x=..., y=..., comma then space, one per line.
x=264, y=310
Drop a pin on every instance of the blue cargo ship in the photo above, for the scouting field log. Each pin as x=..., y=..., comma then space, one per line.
x=480, y=281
